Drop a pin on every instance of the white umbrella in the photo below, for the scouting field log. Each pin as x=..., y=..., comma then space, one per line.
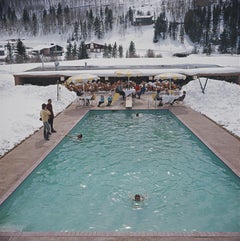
x=81, y=78
x=169, y=76
x=128, y=73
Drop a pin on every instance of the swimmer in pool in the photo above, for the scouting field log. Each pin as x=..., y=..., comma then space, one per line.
x=78, y=137
x=138, y=198
x=137, y=201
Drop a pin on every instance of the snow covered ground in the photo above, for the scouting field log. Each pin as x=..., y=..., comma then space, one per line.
x=20, y=105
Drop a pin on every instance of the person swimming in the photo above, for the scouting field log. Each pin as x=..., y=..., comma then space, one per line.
x=138, y=198
x=78, y=137
x=137, y=201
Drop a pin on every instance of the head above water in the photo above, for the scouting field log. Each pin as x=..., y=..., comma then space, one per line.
x=79, y=136
x=137, y=197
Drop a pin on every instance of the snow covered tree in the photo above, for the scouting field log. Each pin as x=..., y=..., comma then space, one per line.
x=132, y=50
x=130, y=15
x=150, y=53
x=82, y=51
x=108, y=19
x=114, y=50
x=160, y=27
x=74, y=51
x=224, y=42
x=34, y=25
x=59, y=16
x=76, y=31
x=97, y=28
x=69, y=51
x=120, y=51
x=21, y=55
x=109, y=50
x=105, y=51
x=26, y=19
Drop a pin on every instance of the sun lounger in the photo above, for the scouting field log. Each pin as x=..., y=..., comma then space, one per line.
x=128, y=102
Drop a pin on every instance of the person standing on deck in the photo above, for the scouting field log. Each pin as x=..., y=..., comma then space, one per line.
x=44, y=116
x=51, y=117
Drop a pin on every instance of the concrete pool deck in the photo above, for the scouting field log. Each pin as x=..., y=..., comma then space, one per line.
x=19, y=163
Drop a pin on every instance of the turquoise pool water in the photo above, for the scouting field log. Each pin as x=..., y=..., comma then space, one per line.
x=88, y=185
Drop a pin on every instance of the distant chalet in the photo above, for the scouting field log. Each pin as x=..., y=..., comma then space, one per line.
x=49, y=51
x=95, y=47
x=143, y=20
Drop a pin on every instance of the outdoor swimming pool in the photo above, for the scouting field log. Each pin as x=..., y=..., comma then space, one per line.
x=88, y=185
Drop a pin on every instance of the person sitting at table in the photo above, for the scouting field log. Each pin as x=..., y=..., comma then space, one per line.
x=109, y=100
x=142, y=91
x=93, y=97
x=159, y=97
x=137, y=88
x=101, y=101
x=180, y=98
x=79, y=92
x=120, y=91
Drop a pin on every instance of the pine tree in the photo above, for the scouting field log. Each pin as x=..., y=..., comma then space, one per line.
x=76, y=31
x=97, y=28
x=108, y=19
x=74, y=51
x=34, y=25
x=59, y=15
x=52, y=19
x=130, y=15
x=215, y=24
x=84, y=31
x=224, y=42
x=160, y=28
x=21, y=56
x=132, y=50
x=69, y=52
x=173, y=30
x=206, y=42
x=114, y=50
x=182, y=34
x=105, y=51
x=26, y=19
x=109, y=50
x=82, y=51
x=120, y=51
x=150, y=53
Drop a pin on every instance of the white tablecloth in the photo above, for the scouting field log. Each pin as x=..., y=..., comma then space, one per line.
x=129, y=91
x=166, y=99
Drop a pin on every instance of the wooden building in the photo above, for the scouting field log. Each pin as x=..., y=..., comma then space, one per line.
x=95, y=47
x=52, y=50
x=143, y=20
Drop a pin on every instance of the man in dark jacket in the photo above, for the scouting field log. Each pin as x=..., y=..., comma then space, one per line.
x=51, y=117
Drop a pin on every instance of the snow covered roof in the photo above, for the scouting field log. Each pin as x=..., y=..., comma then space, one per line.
x=40, y=47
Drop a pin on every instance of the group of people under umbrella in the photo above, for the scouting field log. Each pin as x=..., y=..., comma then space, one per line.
x=84, y=83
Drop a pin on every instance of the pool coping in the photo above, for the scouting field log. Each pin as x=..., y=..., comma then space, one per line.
x=205, y=129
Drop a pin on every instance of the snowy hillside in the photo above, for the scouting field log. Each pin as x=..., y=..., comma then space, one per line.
x=173, y=26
